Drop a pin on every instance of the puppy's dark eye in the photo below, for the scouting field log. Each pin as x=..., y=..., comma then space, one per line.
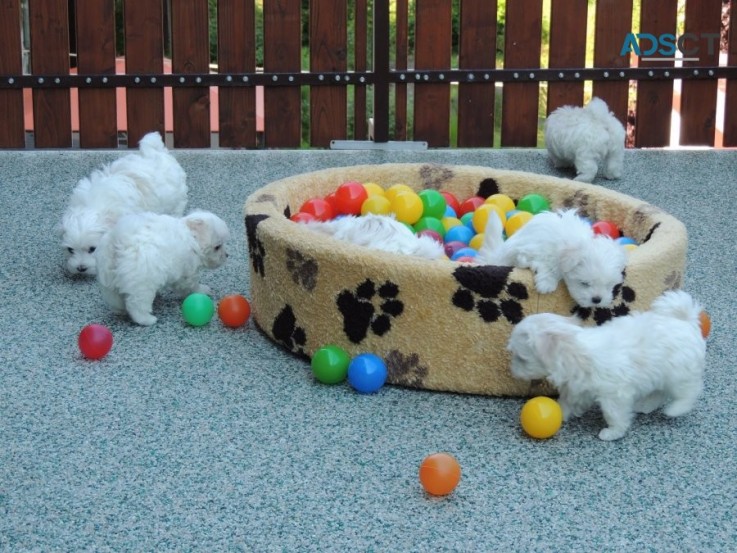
x=584, y=284
x=70, y=250
x=217, y=248
x=91, y=250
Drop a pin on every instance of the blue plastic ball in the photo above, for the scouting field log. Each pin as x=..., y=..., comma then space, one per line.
x=459, y=233
x=450, y=212
x=464, y=252
x=367, y=373
x=624, y=240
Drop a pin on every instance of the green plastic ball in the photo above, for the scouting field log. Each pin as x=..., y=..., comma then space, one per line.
x=330, y=364
x=533, y=203
x=430, y=223
x=198, y=309
x=433, y=203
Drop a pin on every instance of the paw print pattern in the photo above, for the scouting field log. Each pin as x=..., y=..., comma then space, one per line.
x=303, y=269
x=674, y=281
x=266, y=198
x=488, y=291
x=581, y=201
x=256, y=249
x=488, y=187
x=405, y=370
x=361, y=314
x=287, y=333
x=623, y=295
x=435, y=176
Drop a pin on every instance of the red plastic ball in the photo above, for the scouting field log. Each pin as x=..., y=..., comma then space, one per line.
x=452, y=201
x=470, y=205
x=432, y=234
x=234, y=310
x=349, y=198
x=319, y=208
x=303, y=217
x=95, y=341
x=332, y=199
x=607, y=228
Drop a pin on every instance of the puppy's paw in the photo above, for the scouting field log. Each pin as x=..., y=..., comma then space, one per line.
x=545, y=284
x=143, y=319
x=203, y=289
x=610, y=434
x=584, y=177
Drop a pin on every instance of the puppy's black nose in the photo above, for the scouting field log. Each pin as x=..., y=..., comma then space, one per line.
x=82, y=269
x=596, y=300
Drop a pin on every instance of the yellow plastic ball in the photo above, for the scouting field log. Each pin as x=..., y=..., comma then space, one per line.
x=407, y=206
x=395, y=189
x=450, y=222
x=502, y=200
x=517, y=221
x=373, y=189
x=376, y=204
x=541, y=417
x=476, y=241
x=481, y=216
x=630, y=247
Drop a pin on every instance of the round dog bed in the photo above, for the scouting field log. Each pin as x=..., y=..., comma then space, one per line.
x=438, y=325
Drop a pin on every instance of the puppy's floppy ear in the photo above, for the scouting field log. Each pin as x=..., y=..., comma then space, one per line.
x=570, y=257
x=563, y=353
x=199, y=228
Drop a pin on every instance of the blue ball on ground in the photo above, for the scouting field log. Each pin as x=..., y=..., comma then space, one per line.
x=367, y=373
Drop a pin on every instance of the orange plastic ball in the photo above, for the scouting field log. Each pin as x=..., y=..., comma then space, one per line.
x=705, y=324
x=234, y=310
x=440, y=473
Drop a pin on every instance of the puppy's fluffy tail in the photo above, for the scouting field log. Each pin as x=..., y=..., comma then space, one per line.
x=598, y=107
x=679, y=305
x=151, y=143
x=493, y=239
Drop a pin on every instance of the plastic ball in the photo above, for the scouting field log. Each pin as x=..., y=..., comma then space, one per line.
x=450, y=222
x=433, y=203
x=481, y=216
x=407, y=206
x=440, y=473
x=625, y=241
x=476, y=242
x=332, y=199
x=630, y=247
x=198, y=309
x=234, y=310
x=463, y=252
x=330, y=364
x=533, y=203
x=461, y=233
x=367, y=373
x=95, y=341
x=395, y=189
x=451, y=201
x=430, y=223
x=606, y=228
x=502, y=200
x=376, y=204
x=302, y=217
x=450, y=212
x=516, y=222
x=541, y=417
x=349, y=198
x=470, y=205
x=432, y=234
x=705, y=322
x=320, y=208
x=453, y=246
x=373, y=189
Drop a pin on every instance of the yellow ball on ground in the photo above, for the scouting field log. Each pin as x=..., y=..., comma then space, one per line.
x=376, y=204
x=502, y=200
x=407, y=206
x=517, y=221
x=541, y=417
x=373, y=189
x=395, y=189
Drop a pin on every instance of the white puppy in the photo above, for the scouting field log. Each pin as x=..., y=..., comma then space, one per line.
x=379, y=232
x=559, y=246
x=631, y=364
x=145, y=253
x=147, y=180
x=588, y=138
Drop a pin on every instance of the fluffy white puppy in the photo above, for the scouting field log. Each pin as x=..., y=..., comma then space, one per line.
x=588, y=138
x=145, y=253
x=147, y=180
x=631, y=364
x=379, y=232
x=559, y=246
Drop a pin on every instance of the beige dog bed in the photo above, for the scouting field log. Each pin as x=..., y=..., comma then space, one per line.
x=439, y=325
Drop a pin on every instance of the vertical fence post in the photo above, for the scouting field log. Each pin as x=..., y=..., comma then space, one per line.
x=381, y=70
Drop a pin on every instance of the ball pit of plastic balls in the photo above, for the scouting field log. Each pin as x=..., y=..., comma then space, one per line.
x=457, y=223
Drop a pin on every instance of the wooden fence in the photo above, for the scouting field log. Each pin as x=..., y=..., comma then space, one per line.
x=407, y=92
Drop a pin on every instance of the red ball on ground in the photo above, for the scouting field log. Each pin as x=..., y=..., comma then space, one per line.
x=607, y=228
x=319, y=208
x=349, y=198
x=234, y=310
x=95, y=341
x=470, y=205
